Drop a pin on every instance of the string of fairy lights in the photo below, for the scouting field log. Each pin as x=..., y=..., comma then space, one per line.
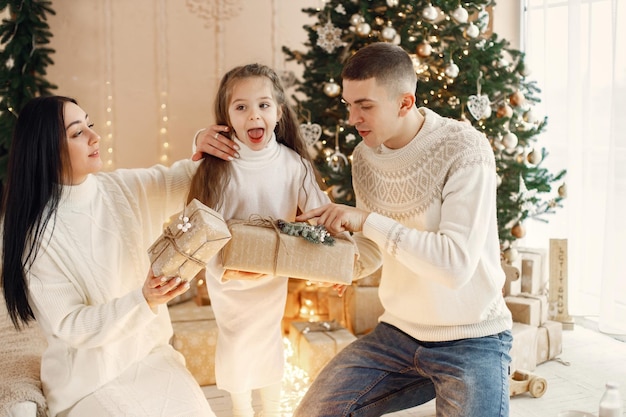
x=162, y=81
x=108, y=157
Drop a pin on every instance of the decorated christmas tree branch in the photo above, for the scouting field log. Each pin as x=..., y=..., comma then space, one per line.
x=312, y=233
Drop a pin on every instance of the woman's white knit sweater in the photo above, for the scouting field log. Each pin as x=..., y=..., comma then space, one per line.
x=85, y=285
x=434, y=218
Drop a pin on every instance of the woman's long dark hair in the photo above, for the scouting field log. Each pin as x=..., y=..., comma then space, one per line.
x=38, y=166
x=211, y=178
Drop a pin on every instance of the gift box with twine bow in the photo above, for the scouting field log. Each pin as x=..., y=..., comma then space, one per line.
x=316, y=343
x=188, y=242
x=258, y=245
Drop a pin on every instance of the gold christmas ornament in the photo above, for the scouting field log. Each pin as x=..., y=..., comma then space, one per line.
x=504, y=111
x=518, y=231
x=424, y=49
x=517, y=99
x=562, y=190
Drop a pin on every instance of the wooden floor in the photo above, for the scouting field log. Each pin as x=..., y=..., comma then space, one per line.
x=575, y=380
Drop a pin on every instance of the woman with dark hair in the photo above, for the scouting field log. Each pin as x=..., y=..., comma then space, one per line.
x=74, y=259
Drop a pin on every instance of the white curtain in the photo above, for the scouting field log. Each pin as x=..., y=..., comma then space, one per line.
x=576, y=51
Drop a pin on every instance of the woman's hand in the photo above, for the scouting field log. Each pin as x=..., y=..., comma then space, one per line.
x=213, y=141
x=160, y=290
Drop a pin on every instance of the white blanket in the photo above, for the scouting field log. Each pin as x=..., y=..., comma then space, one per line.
x=20, y=358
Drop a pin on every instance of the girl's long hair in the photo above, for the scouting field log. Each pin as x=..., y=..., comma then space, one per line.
x=210, y=181
x=38, y=166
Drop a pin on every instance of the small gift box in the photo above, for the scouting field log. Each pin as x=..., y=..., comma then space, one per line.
x=528, y=308
x=188, y=242
x=316, y=343
x=358, y=309
x=549, y=341
x=524, y=349
x=195, y=337
x=259, y=245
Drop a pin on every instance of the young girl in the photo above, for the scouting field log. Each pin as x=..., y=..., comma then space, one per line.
x=74, y=259
x=272, y=177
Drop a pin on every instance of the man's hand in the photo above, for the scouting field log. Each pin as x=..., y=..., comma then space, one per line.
x=214, y=142
x=337, y=218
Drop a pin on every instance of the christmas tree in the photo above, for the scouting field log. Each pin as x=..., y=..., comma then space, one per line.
x=24, y=57
x=464, y=72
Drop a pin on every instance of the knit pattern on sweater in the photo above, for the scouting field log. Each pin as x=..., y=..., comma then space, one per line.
x=404, y=186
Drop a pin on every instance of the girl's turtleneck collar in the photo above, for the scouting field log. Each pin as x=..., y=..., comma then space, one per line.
x=248, y=156
x=76, y=195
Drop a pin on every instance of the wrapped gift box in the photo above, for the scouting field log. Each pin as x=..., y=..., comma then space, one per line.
x=524, y=350
x=183, y=251
x=195, y=336
x=316, y=343
x=314, y=301
x=533, y=267
x=260, y=247
x=549, y=341
x=358, y=309
x=528, y=308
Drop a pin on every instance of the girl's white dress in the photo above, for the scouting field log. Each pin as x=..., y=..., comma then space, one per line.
x=272, y=182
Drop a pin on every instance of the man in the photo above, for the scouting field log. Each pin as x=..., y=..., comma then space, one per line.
x=425, y=191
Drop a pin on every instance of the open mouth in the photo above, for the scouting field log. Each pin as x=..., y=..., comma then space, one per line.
x=256, y=135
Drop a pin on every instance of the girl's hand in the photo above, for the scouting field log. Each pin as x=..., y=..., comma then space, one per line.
x=160, y=290
x=213, y=141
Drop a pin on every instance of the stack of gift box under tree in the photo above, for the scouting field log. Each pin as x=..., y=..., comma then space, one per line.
x=319, y=323
x=537, y=337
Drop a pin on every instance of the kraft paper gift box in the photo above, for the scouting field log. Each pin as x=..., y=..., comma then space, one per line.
x=524, y=349
x=316, y=343
x=189, y=240
x=533, y=267
x=528, y=308
x=314, y=301
x=259, y=246
x=195, y=337
x=358, y=309
x=549, y=341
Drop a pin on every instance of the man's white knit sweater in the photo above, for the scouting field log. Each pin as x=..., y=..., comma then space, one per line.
x=434, y=218
x=85, y=285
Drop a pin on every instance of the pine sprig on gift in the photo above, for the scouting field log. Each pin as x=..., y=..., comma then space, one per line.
x=314, y=234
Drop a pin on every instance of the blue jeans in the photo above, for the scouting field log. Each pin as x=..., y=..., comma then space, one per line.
x=387, y=370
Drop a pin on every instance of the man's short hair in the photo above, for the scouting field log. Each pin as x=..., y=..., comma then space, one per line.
x=389, y=64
